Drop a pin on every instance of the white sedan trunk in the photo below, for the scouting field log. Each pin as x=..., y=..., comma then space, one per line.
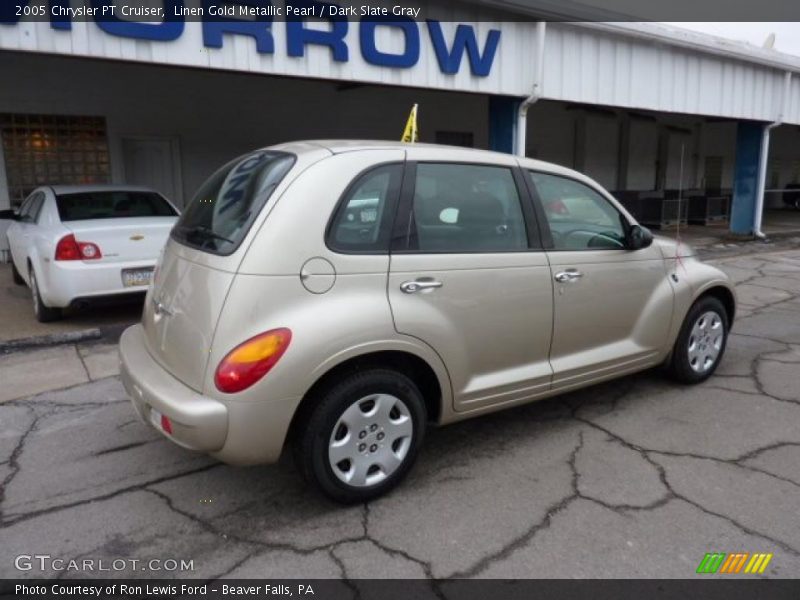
x=124, y=239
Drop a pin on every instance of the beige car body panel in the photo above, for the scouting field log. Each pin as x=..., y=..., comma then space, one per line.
x=593, y=337
x=499, y=332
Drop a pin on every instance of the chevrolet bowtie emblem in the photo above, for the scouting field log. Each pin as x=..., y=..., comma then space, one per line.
x=137, y=237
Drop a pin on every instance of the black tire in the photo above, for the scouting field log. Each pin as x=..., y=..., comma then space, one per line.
x=681, y=364
x=44, y=313
x=16, y=276
x=311, y=444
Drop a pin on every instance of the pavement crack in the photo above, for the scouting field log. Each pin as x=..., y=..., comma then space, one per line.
x=346, y=579
x=13, y=461
x=123, y=447
x=427, y=568
x=740, y=526
x=774, y=446
x=83, y=363
x=646, y=454
x=529, y=534
x=26, y=516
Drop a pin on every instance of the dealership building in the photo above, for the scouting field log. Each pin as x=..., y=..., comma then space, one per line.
x=644, y=109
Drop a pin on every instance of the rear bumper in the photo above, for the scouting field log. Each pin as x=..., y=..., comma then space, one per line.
x=198, y=423
x=134, y=296
x=236, y=432
x=64, y=283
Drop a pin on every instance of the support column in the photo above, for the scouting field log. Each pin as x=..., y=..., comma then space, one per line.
x=502, y=123
x=5, y=198
x=749, y=137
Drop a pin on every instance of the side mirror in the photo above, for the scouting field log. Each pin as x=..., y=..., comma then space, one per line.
x=639, y=237
x=9, y=215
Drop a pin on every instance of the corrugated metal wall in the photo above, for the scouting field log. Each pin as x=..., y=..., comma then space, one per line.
x=582, y=64
x=594, y=67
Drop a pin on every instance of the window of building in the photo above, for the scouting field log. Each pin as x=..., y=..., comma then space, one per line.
x=52, y=150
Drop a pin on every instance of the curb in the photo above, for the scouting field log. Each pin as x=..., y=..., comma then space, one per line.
x=729, y=248
x=54, y=339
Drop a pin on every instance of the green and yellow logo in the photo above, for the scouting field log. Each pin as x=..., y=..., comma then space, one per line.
x=736, y=562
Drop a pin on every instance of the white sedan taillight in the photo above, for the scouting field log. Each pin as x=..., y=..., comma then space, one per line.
x=68, y=248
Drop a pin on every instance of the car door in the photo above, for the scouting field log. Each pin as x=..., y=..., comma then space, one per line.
x=468, y=277
x=612, y=305
x=19, y=233
x=28, y=223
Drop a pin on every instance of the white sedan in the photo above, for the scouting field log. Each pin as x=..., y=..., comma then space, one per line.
x=74, y=245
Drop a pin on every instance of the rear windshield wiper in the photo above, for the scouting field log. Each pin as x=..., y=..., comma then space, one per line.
x=204, y=232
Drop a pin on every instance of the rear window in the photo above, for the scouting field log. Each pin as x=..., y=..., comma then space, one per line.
x=225, y=206
x=80, y=206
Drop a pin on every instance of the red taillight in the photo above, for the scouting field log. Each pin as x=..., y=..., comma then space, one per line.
x=166, y=424
x=70, y=249
x=251, y=360
x=67, y=248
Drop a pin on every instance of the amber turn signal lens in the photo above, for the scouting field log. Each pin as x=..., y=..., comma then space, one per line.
x=251, y=360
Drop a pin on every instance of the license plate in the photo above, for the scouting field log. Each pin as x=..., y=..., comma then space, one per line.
x=137, y=277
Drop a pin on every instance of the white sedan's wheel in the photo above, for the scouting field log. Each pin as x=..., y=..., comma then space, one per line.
x=43, y=312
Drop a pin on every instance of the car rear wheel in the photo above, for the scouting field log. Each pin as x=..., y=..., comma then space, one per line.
x=701, y=341
x=362, y=436
x=16, y=276
x=44, y=313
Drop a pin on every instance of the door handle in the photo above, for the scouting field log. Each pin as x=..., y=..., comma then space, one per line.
x=568, y=276
x=423, y=284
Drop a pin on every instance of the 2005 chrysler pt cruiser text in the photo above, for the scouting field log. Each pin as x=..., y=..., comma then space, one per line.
x=335, y=297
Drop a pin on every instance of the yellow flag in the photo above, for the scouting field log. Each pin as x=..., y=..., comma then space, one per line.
x=411, y=133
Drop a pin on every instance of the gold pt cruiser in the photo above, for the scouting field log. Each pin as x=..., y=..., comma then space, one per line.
x=335, y=297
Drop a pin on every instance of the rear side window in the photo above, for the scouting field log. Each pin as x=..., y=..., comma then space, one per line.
x=31, y=208
x=225, y=206
x=466, y=208
x=363, y=220
x=36, y=207
x=81, y=206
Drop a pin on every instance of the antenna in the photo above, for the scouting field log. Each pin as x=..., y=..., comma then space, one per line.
x=678, y=222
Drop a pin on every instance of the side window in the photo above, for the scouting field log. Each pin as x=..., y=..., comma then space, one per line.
x=36, y=207
x=466, y=208
x=363, y=219
x=25, y=207
x=579, y=218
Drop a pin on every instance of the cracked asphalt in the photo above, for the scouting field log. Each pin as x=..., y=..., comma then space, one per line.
x=639, y=477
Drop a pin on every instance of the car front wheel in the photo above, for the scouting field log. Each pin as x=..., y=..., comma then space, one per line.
x=701, y=341
x=43, y=313
x=362, y=436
